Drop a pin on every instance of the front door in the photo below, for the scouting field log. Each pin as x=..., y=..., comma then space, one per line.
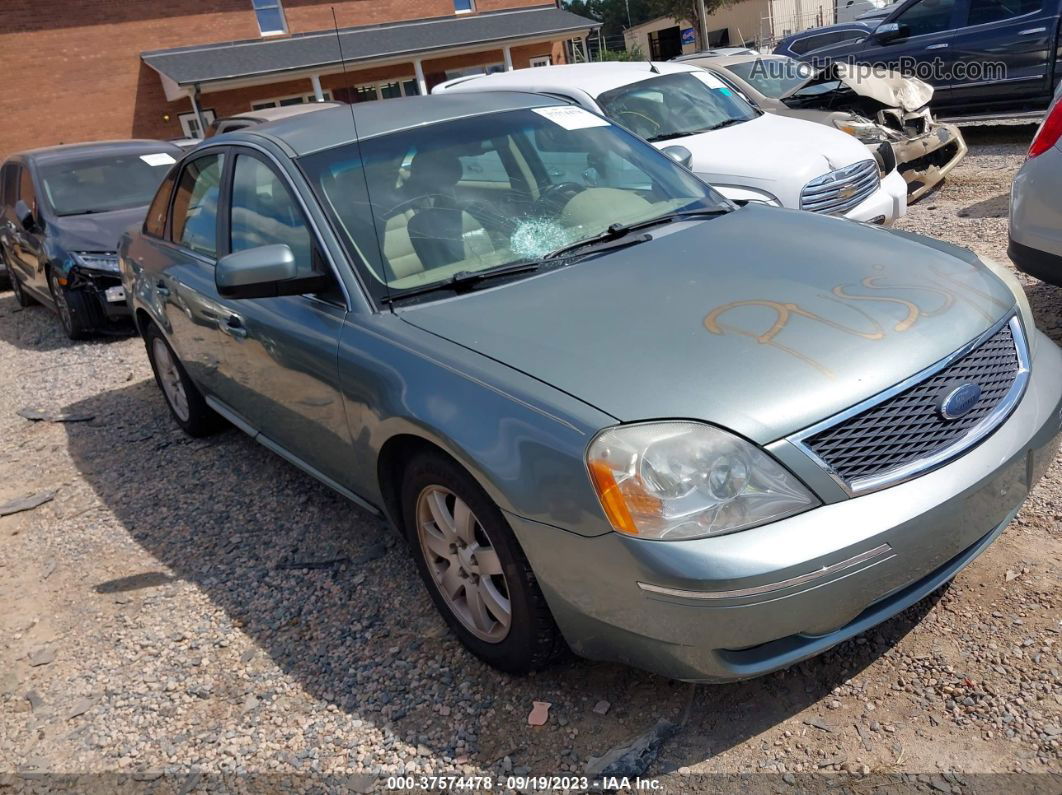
x=278, y=364
x=27, y=247
x=924, y=46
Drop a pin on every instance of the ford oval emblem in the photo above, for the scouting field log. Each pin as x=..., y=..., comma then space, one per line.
x=959, y=401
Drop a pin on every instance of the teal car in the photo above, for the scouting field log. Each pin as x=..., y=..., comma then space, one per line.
x=608, y=408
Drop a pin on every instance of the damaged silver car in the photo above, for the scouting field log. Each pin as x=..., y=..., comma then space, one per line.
x=885, y=110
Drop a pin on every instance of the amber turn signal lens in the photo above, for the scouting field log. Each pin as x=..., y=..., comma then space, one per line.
x=611, y=498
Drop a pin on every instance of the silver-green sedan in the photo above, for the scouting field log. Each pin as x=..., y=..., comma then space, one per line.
x=607, y=407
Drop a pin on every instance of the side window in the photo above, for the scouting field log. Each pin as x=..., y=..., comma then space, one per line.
x=984, y=11
x=264, y=213
x=26, y=191
x=195, y=208
x=7, y=190
x=810, y=43
x=155, y=222
x=928, y=16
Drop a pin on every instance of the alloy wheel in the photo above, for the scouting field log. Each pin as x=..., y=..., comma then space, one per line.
x=170, y=378
x=463, y=563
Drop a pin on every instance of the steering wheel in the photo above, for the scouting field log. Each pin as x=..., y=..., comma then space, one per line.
x=555, y=197
x=638, y=117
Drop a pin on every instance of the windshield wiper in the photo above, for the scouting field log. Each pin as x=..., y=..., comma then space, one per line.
x=724, y=123
x=610, y=237
x=464, y=279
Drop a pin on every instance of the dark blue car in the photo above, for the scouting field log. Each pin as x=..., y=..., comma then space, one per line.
x=983, y=57
x=62, y=210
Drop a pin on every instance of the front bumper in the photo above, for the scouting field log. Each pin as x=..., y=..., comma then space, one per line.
x=924, y=161
x=107, y=295
x=802, y=584
x=885, y=205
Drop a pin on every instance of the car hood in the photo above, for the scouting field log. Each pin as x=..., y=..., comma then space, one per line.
x=889, y=87
x=93, y=232
x=714, y=320
x=774, y=153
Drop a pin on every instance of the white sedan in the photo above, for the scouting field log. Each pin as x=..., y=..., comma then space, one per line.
x=746, y=154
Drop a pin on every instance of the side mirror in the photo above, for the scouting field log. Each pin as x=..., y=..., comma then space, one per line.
x=25, y=216
x=890, y=31
x=264, y=272
x=680, y=154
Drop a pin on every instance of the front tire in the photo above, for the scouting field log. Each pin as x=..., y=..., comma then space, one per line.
x=474, y=569
x=72, y=307
x=183, y=398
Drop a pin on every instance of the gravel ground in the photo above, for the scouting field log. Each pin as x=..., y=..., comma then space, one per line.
x=186, y=608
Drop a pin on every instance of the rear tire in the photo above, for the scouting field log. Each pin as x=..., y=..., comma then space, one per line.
x=182, y=396
x=72, y=308
x=474, y=569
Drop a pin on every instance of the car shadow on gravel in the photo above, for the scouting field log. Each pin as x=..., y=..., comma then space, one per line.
x=331, y=595
x=36, y=328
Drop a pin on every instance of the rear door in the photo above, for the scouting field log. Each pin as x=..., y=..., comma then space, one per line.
x=181, y=280
x=1003, y=52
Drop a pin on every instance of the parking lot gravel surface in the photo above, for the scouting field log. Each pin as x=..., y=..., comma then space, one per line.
x=184, y=609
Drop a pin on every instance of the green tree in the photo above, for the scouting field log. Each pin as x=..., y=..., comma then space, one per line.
x=612, y=14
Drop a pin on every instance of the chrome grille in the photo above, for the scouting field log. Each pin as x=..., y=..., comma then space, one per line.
x=903, y=433
x=841, y=190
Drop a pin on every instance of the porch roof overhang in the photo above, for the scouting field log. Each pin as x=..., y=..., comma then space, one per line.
x=270, y=59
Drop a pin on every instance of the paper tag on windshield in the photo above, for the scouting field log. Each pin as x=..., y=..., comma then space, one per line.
x=571, y=118
x=158, y=159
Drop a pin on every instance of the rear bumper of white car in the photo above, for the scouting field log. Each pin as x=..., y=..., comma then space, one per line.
x=887, y=204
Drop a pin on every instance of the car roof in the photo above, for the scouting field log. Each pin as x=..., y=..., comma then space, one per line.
x=54, y=154
x=593, y=78
x=724, y=61
x=283, y=112
x=312, y=132
x=714, y=54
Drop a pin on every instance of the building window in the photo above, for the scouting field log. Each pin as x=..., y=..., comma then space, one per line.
x=283, y=102
x=270, y=14
x=190, y=124
x=387, y=89
x=543, y=60
x=487, y=69
x=464, y=6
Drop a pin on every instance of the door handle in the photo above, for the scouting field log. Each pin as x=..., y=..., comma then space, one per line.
x=941, y=46
x=162, y=289
x=234, y=327
x=1031, y=31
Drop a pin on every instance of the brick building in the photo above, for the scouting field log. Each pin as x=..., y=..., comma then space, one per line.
x=82, y=70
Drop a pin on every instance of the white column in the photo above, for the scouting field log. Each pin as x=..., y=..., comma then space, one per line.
x=318, y=94
x=198, y=113
x=508, y=59
x=422, y=84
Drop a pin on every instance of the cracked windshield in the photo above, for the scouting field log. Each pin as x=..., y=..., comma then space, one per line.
x=479, y=193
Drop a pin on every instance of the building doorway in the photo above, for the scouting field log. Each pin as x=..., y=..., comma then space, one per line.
x=665, y=44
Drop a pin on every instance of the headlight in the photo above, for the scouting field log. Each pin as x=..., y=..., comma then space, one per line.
x=863, y=129
x=683, y=480
x=97, y=261
x=742, y=194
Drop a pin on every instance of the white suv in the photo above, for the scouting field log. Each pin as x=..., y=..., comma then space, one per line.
x=746, y=154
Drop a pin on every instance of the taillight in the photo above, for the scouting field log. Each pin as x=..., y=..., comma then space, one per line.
x=1049, y=133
